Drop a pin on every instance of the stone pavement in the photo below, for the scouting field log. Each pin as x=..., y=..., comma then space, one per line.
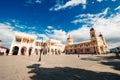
x=60, y=67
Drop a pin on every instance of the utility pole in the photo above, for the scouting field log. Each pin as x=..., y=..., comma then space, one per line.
x=41, y=51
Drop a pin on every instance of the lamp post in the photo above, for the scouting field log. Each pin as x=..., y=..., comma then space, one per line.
x=0, y=42
x=41, y=50
x=50, y=46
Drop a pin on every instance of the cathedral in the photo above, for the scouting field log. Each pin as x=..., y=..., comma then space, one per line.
x=96, y=45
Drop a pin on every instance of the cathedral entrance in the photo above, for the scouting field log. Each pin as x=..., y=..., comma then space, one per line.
x=15, y=50
x=75, y=51
x=23, y=50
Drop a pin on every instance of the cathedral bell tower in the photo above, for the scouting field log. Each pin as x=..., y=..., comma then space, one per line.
x=101, y=36
x=70, y=40
x=93, y=34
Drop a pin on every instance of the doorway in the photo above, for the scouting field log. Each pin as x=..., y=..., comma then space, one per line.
x=15, y=50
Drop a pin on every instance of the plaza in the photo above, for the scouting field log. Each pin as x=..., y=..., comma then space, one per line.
x=60, y=67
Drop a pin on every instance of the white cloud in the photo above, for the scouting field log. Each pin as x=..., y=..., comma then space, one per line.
x=99, y=0
x=93, y=2
x=70, y=3
x=105, y=0
x=113, y=0
x=81, y=34
x=6, y=34
x=108, y=26
x=31, y=2
x=118, y=8
x=40, y=36
x=90, y=18
x=38, y=1
x=47, y=31
x=50, y=27
x=59, y=35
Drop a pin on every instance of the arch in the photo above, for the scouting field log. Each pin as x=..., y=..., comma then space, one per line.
x=23, y=50
x=30, y=51
x=75, y=51
x=15, y=50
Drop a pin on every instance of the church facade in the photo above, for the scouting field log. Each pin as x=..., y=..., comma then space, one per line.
x=96, y=45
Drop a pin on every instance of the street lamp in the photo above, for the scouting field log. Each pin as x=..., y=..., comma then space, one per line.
x=0, y=42
x=41, y=50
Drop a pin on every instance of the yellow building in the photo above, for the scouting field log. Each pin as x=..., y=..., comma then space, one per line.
x=96, y=45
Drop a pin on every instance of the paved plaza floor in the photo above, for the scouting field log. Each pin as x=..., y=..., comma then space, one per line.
x=60, y=67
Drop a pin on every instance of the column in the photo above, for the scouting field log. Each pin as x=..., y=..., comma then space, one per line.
x=27, y=51
x=33, y=51
x=19, y=52
x=11, y=48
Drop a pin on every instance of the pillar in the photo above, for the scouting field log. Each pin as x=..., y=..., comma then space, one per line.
x=19, y=52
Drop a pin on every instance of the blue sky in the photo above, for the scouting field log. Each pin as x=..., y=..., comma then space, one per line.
x=57, y=19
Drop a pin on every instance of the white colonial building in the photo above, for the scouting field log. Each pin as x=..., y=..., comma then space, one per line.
x=26, y=44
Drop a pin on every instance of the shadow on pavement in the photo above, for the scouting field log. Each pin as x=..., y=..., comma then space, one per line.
x=115, y=64
x=91, y=59
x=98, y=58
x=68, y=73
x=108, y=57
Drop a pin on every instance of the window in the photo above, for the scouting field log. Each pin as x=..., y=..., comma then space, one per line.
x=18, y=39
x=93, y=35
x=31, y=40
